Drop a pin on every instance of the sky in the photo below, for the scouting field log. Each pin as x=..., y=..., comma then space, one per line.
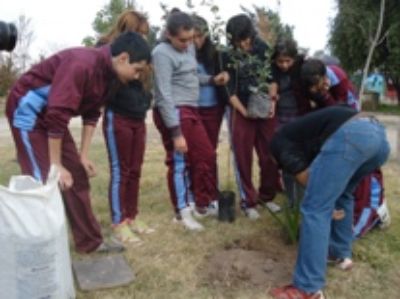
x=59, y=24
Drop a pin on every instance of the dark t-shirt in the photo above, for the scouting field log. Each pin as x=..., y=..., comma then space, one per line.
x=295, y=145
x=287, y=104
x=130, y=100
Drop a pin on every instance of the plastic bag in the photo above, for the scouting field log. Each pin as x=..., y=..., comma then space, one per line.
x=259, y=105
x=34, y=256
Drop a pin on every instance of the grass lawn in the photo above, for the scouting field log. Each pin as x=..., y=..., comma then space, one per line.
x=2, y=106
x=174, y=263
x=387, y=109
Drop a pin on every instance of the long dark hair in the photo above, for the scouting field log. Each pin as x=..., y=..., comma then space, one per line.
x=207, y=55
x=240, y=27
x=288, y=47
x=311, y=72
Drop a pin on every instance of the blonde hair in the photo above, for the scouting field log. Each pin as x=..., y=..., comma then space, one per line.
x=128, y=20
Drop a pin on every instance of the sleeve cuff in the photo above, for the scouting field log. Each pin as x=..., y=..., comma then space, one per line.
x=175, y=131
x=89, y=122
x=55, y=135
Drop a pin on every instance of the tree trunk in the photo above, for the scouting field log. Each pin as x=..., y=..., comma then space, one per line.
x=396, y=84
x=373, y=45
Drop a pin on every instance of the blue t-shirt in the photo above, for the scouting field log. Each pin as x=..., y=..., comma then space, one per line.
x=208, y=94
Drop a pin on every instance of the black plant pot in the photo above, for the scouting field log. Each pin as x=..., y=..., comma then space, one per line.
x=226, y=206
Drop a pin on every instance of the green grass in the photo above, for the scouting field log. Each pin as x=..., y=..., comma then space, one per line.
x=2, y=106
x=171, y=263
x=387, y=109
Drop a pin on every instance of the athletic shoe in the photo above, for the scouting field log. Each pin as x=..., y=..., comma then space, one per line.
x=251, y=213
x=140, y=227
x=291, y=292
x=188, y=221
x=273, y=207
x=344, y=264
x=123, y=234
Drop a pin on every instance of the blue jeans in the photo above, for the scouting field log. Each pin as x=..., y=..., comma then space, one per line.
x=293, y=190
x=354, y=150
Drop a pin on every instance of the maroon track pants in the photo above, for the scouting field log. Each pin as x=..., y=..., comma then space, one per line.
x=125, y=138
x=33, y=158
x=247, y=135
x=190, y=175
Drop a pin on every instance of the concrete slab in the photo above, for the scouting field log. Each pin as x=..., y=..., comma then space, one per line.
x=94, y=273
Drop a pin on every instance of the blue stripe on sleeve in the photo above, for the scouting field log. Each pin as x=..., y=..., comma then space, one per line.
x=29, y=107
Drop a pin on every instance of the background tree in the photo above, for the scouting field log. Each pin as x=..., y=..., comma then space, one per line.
x=269, y=24
x=106, y=18
x=353, y=29
x=15, y=63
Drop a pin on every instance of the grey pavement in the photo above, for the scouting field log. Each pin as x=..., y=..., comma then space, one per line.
x=392, y=123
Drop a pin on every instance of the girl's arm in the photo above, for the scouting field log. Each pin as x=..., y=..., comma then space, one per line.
x=237, y=104
x=86, y=139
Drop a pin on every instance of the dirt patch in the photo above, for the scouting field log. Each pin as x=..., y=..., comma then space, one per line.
x=250, y=264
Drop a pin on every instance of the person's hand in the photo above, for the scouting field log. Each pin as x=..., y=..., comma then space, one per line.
x=89, y=167
x=302, y=177
x=237, y=105
x=180, y=144
x=272, y=110
x=66, y=181
x=338, y=214
x=221, y=79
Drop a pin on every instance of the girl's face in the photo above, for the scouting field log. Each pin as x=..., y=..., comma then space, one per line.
x=244, y=45
x=182, y=40
x=284, y=62
x=128, y=71
x=199, y=39
x=322, y=86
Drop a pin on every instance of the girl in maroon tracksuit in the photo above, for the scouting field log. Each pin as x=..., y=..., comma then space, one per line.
x=124, y=130
x=211, y=106
x=248, y=133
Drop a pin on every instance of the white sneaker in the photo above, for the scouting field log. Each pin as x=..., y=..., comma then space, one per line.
x=344, y=264
x=252, y=213
x=383, y=213
x=273, y=207
x=211, y=210
x=188, y=221
x=192, y=205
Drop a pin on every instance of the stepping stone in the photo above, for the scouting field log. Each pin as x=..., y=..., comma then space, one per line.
x=94, y=273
